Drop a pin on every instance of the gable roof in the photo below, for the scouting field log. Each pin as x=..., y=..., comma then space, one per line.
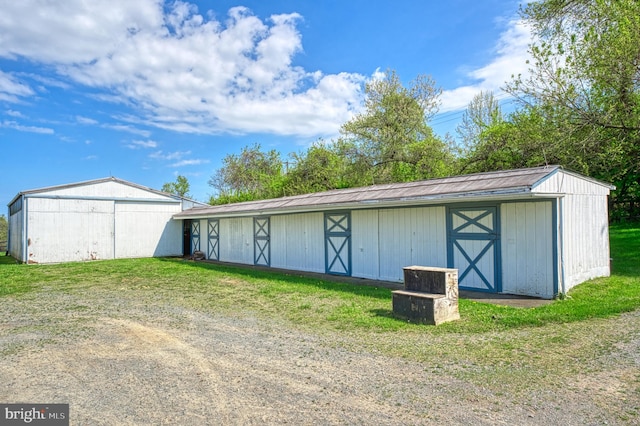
x=49, y=189
x=501, y=183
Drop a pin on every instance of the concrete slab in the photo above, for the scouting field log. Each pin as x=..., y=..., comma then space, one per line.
x=504, y=299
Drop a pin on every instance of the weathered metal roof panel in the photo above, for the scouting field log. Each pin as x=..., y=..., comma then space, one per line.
x=507, y=181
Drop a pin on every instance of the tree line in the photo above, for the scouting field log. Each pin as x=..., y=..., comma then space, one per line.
x=579, y=106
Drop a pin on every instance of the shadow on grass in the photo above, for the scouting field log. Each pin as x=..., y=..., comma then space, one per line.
x=359, y=287
x=7, y=260
x=384, y=313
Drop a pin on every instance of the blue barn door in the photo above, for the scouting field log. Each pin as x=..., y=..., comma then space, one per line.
x=213, y=252
x=195, y=236
x=261, y=241
x=473, y=247
x=337, y=243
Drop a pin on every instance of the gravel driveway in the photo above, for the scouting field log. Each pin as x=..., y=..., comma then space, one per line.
x=120, y=360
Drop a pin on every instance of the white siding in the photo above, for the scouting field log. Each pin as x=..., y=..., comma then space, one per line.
x=297, y=242
x=405, y=237
x=69, y=230
x=16, y=224
x=395, y=243
x=527, y=248
x=583, y=225
x=236, y=240
x=585, y=230
x=107, y=189
x=364, y=244
x=147, y=230
x=565, y=183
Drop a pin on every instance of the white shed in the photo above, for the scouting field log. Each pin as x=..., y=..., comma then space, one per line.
x=100, y=219
x=536, y=232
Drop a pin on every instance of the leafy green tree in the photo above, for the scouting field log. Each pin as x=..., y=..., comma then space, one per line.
x=520, y=140
x=251, y=175
x=585, y=84
x=4, y=228
x=320, y=168
x=179, y=187
x=482, y=113
x=392, y=138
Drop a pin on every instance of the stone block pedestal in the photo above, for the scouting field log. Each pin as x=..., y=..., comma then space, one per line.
x=430, y=295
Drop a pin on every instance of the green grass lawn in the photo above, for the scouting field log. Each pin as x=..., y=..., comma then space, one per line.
x=326, y=304
x=497, y=347
x=6, y=260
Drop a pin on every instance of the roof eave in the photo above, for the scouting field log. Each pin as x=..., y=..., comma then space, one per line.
x=101, y=180
x=512, y=193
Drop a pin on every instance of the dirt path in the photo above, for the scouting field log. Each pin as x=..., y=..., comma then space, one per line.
x=120, y=361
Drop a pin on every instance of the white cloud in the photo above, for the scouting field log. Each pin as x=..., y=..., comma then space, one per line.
x=86, y=120
x=510, y=59
x=73, y=31
x=182, y=70
x=12, y=113
x=176, y=155
x=128, y=129
x=194, y=162
x=31, y=129
x=45, y=81
x=178, y=158
x=11, y=89
x=142, y=144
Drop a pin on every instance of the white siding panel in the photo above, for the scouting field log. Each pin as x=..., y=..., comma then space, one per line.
x=395, y=243
x=586, y=238
x=562, y=182
x=106, y=189
x=297, y=242
x=147, y=230
x=236, y=240
x=429, y=237
x=411, y=236
x=364, y=244
x=584, y=227
x=16, y=223
x=527, y=248
x=69, y=230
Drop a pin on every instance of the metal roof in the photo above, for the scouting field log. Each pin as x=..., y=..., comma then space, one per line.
x=96, y=181
x=506, y=182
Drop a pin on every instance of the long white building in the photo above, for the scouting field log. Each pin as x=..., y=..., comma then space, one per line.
x=536, y=232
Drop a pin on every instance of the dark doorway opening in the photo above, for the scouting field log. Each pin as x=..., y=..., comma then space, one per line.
x=186, y=237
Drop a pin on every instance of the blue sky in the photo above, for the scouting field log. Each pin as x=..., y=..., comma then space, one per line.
x=148, y=90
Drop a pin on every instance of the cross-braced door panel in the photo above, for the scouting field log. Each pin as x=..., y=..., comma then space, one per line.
x=195, y=236
x=473, y=247
x=261, y=241
x=337, y=243
x=213, y=251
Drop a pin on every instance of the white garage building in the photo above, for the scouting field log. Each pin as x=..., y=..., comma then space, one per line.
x=100, y=219
x=536, y=232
